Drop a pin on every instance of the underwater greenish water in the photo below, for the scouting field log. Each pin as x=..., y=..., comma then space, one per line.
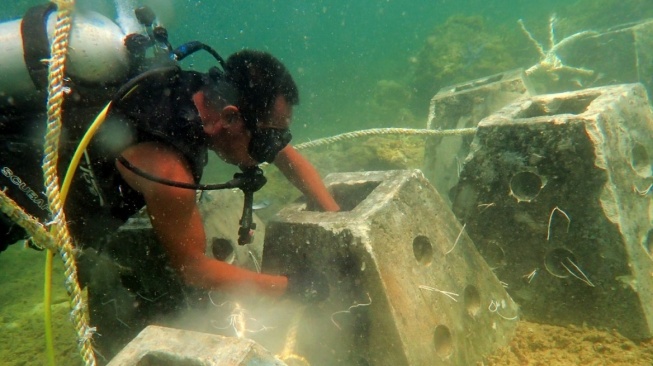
x=358, y=65
x=337, y=50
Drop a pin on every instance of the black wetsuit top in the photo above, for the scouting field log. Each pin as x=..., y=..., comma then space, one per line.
x=160, y=109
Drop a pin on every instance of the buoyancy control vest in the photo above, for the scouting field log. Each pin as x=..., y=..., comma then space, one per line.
x=160, y=109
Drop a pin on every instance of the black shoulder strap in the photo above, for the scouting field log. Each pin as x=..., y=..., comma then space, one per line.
x=36, y=47
x=154, y=78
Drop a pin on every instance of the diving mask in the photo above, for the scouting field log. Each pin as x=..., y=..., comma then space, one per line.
x=266, y=143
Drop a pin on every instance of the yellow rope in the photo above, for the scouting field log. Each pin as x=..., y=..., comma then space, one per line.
x=289, y=348
x=59, y=229
x=385, y=131
x=38, y=233
x=67, y=5
x=42, y=239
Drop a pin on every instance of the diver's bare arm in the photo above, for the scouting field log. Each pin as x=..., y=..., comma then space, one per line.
x=178, y=224
x=303, y=175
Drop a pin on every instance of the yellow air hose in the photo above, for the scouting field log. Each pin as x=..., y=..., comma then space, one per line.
x=65, y=188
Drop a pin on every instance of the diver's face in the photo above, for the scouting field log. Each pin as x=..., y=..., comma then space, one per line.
x=281, y=115
x=272, y=136
x=233, y=141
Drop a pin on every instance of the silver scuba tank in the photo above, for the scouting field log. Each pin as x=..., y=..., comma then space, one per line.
x=96, y=54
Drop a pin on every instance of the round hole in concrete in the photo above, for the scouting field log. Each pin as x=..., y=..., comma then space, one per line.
x=472, y=300
x=556, y=262
x=494, y=254
x=639, y=159
x=648, y=242
x=221, y=248
x=443, y=341
x=525, y=186
x=422, y=249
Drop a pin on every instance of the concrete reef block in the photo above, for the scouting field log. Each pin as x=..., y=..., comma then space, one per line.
x=221, y=211
x=167, y=346
x=622, y=54
x=407, y=285
x=462, y=106
x=556, y=196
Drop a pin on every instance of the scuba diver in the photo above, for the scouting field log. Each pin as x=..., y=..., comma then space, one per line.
x=150, y=152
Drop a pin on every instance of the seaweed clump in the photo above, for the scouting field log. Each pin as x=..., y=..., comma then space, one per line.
x=461, y=49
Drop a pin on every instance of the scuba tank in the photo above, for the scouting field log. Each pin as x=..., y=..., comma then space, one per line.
x=97, y=54
x=103, y=63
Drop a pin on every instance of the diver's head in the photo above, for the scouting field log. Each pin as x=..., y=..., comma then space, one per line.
x=262, y=93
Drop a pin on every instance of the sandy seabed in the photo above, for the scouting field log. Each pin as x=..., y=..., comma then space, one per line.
x=540, y=344
x=22, y=344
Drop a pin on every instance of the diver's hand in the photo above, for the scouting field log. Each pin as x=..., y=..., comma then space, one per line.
x=307, y=284
x=10, y=232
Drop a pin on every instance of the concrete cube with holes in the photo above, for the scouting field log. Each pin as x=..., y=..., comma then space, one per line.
x=407, y=285
x=157, y=345
x=556, y=196
x=461, y=106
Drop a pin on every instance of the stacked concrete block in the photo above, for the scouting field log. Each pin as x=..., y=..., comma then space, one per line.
x=556, y=196
x=622, y=54
x=407, y=285
x=461, y=106
x=167, y=346
x=221, y=212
